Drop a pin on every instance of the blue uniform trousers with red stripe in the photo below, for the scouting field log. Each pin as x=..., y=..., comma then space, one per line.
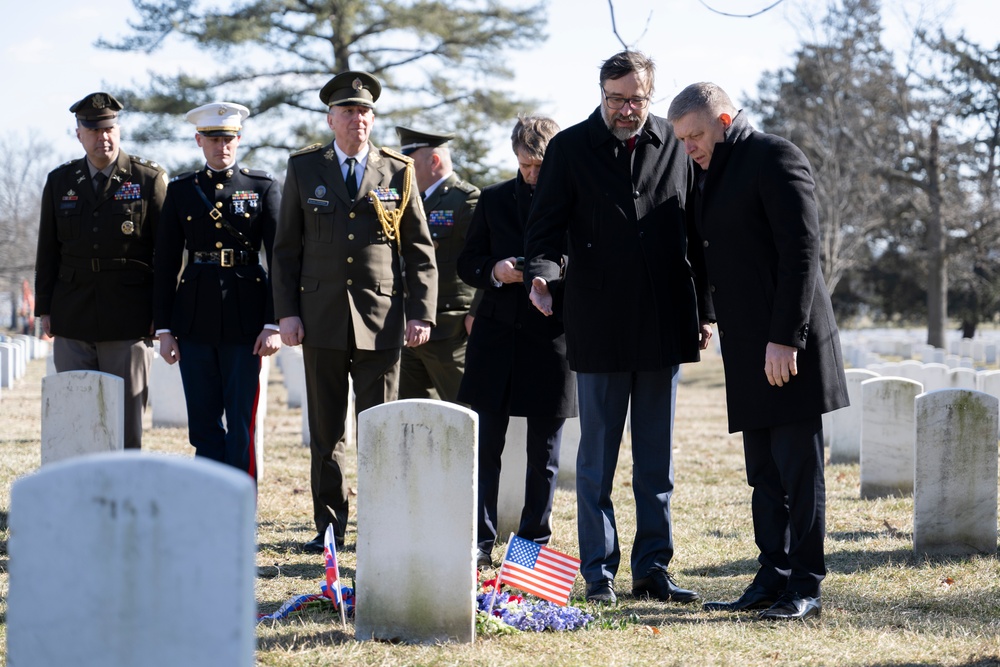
x=221, y=380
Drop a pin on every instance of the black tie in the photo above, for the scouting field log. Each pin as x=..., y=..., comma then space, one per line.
x=352, y=180
x=99, y=180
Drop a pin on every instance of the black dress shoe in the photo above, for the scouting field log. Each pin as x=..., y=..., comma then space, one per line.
x=754, y=597
x=483, y=560
x=793, y=606
x=317, y=545
x=602, y=592
x=660, y=585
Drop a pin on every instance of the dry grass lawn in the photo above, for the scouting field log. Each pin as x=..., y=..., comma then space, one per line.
x=882, y=606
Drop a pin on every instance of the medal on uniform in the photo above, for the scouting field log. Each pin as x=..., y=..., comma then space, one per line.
x=442, y=218
x=129, y=190
x=244, y=199
x=128, y=227
x=386, y=194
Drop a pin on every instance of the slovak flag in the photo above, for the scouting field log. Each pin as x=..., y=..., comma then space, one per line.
x=332, y=571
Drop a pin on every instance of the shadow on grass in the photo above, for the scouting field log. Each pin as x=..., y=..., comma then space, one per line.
x=290, y=637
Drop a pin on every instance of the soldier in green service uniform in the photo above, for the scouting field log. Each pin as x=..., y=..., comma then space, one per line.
x=94, y=266
x=351, y=216
x=434, y=370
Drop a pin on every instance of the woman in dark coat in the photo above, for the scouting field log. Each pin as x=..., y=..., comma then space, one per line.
x=516, y=357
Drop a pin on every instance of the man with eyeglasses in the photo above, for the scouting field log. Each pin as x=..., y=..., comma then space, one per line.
x=634, y=308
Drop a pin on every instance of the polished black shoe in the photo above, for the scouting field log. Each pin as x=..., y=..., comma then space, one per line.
x=317, y=545
x=602, y=592
x=660, y=585
x=483, y=560
x=793, y=606
x=754, y=597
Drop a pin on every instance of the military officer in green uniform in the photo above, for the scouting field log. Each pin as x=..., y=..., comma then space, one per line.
x=94, y=265
x=350, y=218
x=435, y=370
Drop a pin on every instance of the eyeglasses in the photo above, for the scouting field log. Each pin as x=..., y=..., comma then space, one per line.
x=617, y=102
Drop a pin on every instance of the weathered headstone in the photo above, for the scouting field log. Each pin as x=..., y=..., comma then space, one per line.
x=416, y=573
x=955, y=480
x=8, y=364
x=962, y=378
x=934, y=376
x=115, y=562
x=568, y=450
x=887, y=436
x=166, y=394
x=83, y=412
x=845, y=423
x=513, y=464
x=293, y=371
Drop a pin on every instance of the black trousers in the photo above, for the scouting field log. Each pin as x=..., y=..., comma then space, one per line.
x=785, y=469
x=543, y=441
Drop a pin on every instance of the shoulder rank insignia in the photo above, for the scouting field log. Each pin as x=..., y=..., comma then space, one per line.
x=308, y=149
x=393, y=154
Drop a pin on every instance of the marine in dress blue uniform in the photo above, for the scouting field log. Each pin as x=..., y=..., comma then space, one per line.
x=217, y=318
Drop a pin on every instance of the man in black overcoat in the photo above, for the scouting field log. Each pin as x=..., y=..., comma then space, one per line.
x=755, y=215
x=516, y=359
x=617, y=185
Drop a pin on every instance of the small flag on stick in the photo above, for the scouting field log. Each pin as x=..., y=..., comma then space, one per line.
x=538, y=570
x=333, y=572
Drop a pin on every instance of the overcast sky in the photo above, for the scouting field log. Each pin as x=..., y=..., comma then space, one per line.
x=50, y=61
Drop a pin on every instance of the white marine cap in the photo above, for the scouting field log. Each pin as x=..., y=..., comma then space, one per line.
x=218, y=119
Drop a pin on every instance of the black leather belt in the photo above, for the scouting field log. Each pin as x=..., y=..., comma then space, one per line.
x=98, y=264
x=226, y=257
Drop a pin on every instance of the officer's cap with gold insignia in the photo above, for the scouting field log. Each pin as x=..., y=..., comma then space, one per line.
x=218, y=119
x=350, y=89
x=410, y=139
x=97, y=110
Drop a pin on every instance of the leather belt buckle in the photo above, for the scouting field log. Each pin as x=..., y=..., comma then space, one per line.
x=226, y=257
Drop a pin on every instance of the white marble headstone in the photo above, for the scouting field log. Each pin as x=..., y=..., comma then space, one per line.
x=133, y=559
x=83, y=412
x=955, y=479
x=166, y=394
x=887, y=432
x=845, y=423
x=8, y=365
x=416, y=571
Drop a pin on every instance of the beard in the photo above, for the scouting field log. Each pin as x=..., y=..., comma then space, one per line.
x=624, y=133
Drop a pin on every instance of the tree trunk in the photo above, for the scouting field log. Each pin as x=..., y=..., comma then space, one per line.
x=937, y=275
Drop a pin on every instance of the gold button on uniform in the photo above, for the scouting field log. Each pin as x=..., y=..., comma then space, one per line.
x=218, y=244
x=350, y=260
x=218, y=204
x=218, y=225
x=350, y=282
x=189, y=218
x=218, y=186
x=352, y=215
x=350, y=237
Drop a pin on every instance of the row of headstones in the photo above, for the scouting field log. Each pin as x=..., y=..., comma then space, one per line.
x=15, y=353
x=940, y=445
x=153, y=579
x=864, y=346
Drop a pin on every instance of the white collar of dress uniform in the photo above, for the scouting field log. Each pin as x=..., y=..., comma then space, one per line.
x=429, y=191
x=361, y=156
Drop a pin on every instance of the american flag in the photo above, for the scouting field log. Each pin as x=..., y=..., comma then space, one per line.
x=539, y=570
x=332, y=571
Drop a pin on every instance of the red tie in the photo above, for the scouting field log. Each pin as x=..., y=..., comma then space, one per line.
x=631, y=143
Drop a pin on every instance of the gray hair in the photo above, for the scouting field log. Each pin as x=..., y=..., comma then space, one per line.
x=628, y=62
x=702, y=96
x=532, y=134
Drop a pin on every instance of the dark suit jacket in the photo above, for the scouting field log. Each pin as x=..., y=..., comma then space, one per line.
x=515, y=357
x=112, y=232
x=758, y=223
x=449, y=212
x=335, y=267
x=211, y=303
x=630, y=296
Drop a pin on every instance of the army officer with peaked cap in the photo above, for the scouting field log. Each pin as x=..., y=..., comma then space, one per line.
x=350, y=217
x=94, y=264
x=217, y=320
x=434, y=370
